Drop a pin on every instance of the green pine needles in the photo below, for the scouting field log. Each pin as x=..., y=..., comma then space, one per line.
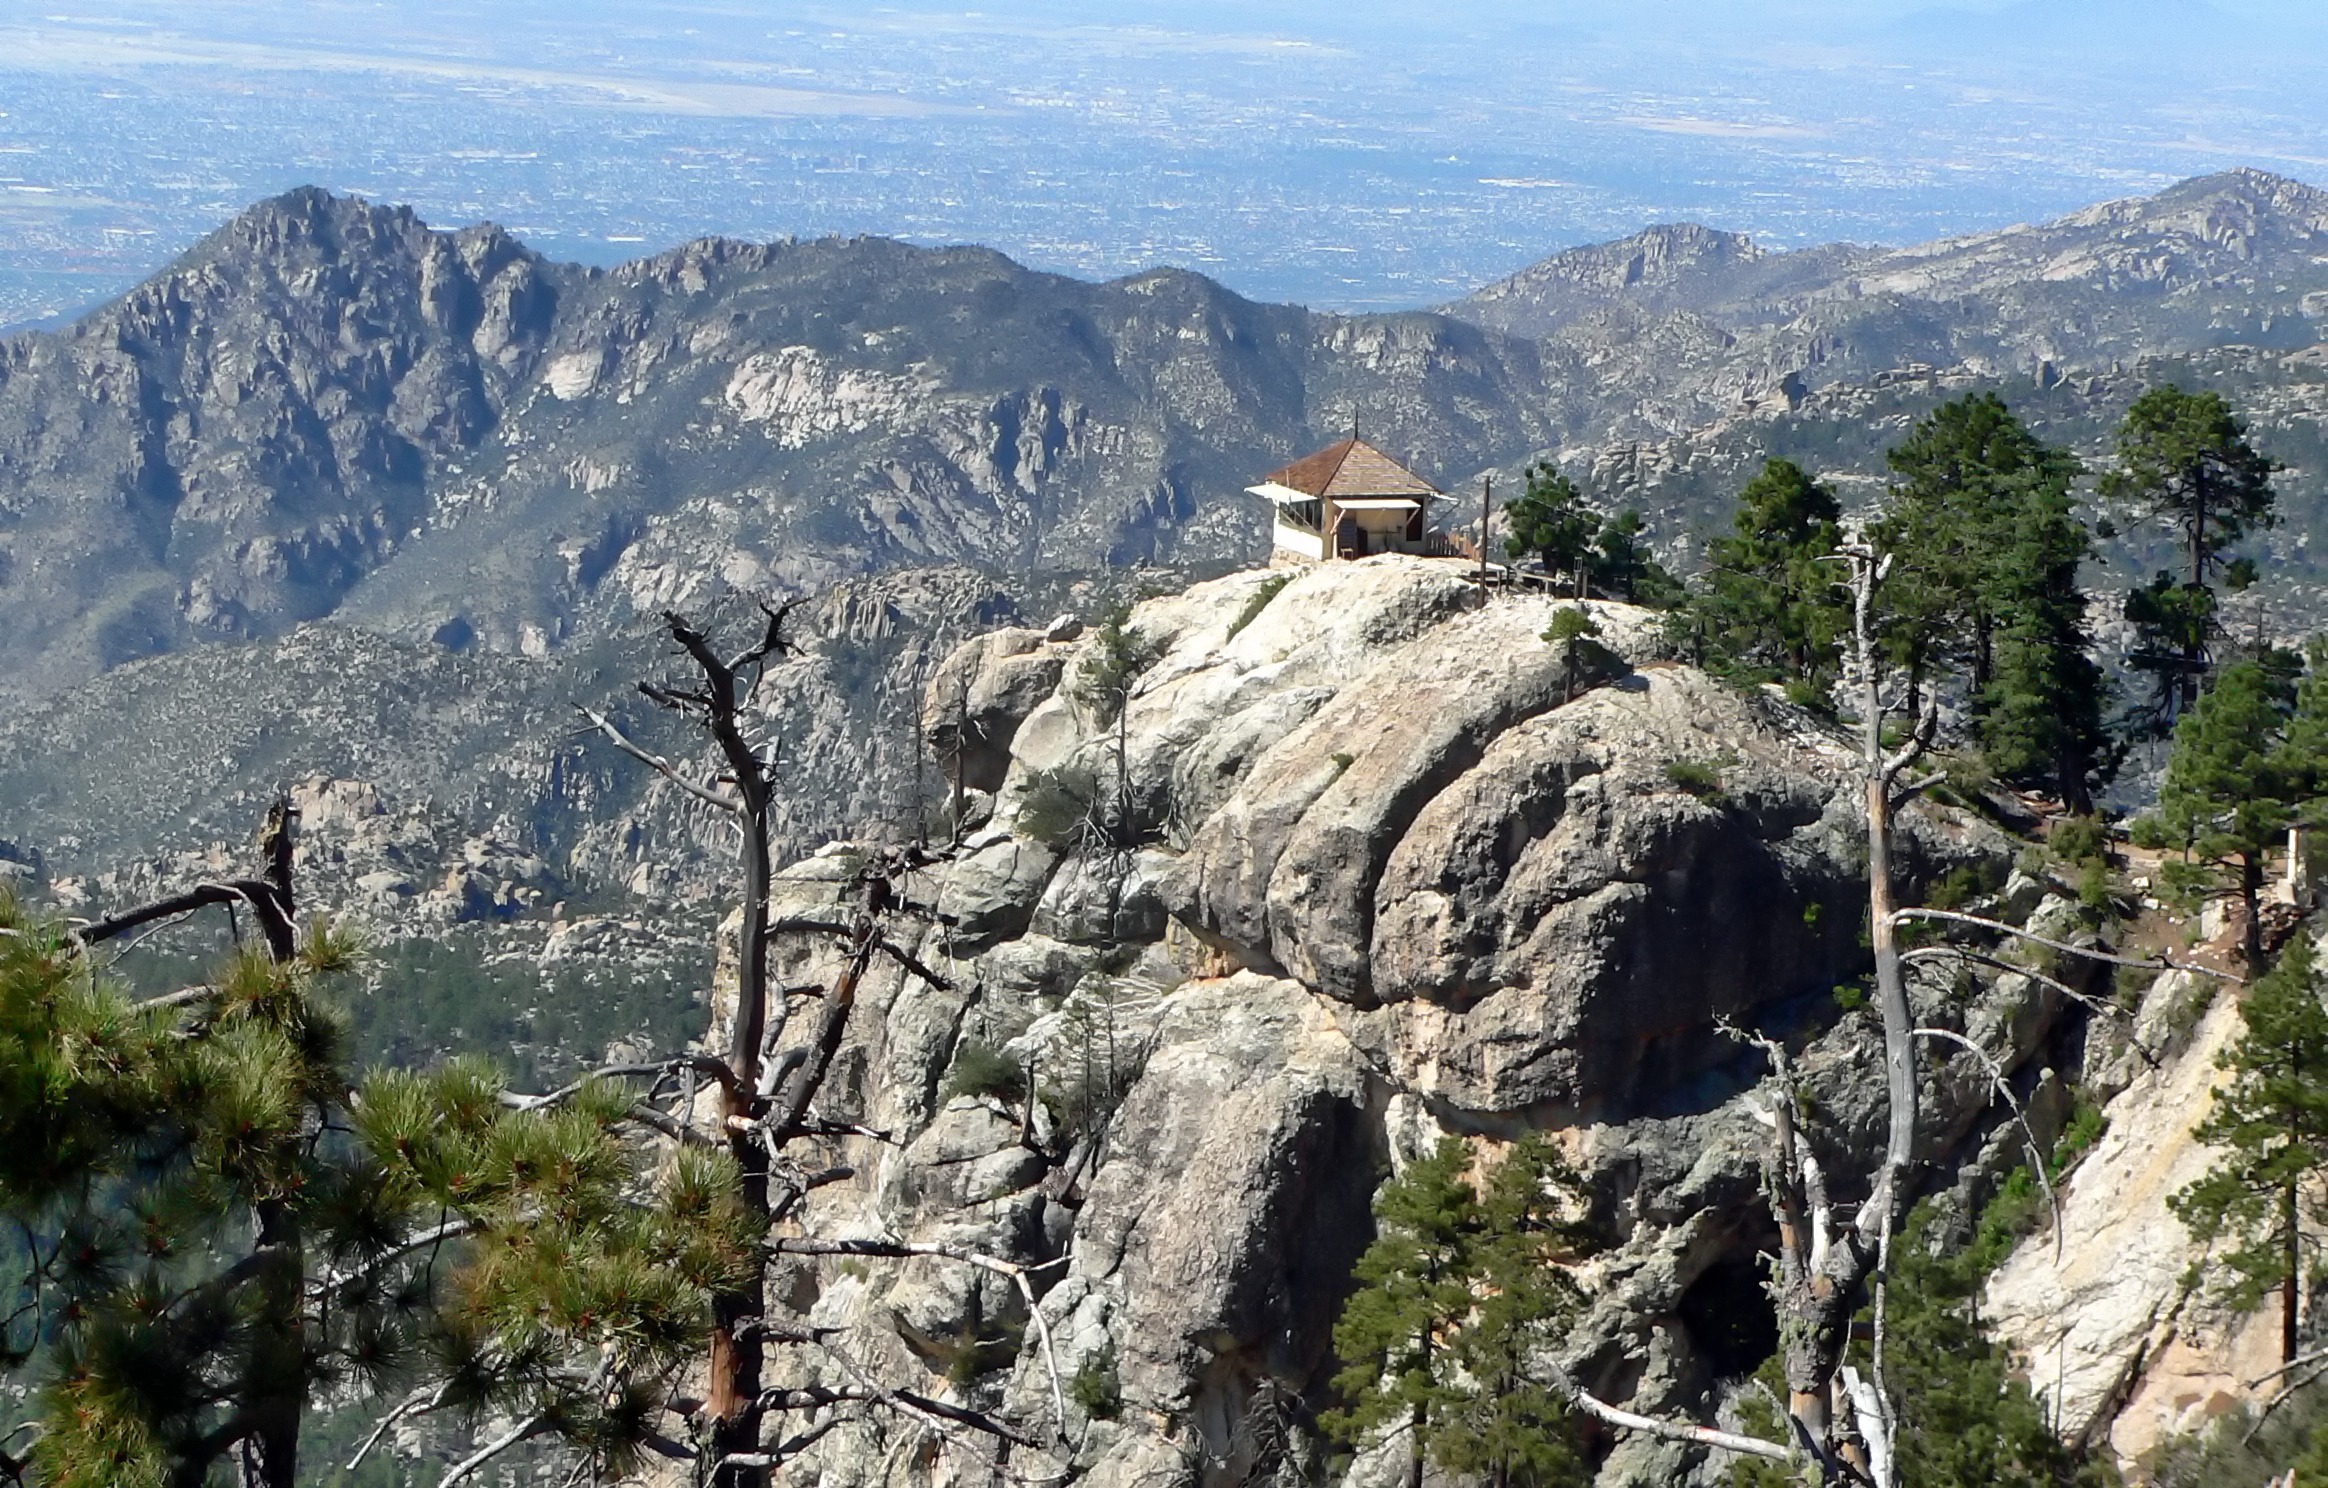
x=2249, y=760
x=2185, y=464
x=1588, y=551
x=2258, y=1206
x=1459, y=1298
x=215, y=1227
x=1773, y=607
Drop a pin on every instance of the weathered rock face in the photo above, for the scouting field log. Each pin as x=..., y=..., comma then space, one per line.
x=1398, y=873
x=980, y=696
x=1569, y=921
x=2116, y=1343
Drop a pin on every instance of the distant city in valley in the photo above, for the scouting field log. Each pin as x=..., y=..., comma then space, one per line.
x=1351, y=158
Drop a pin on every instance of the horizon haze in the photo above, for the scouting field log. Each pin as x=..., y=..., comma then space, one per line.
x=1348, y=157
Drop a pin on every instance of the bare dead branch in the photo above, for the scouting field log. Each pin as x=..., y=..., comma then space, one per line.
x=900, y=1250
x=1919, y=739
x=179, y=998
x=419, y=1402
x=2300, y=1361
x=1873, y=1410
x=772, y=641
x=1681, y=1431
x=1951, y=951
x=702, y=1063
x=451, y=1229
x=657, y=763
x=524, y=1430
x=2285, y=1393
x=2037, y=1159
x=201, y=896
x=2159, y=962
x=904, y=958
x=938, y=1415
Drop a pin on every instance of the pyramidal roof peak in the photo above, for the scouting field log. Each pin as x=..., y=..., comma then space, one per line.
x=1348, y=469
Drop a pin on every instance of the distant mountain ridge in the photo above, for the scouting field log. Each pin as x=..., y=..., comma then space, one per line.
x=329, y=415
x=2242, y=230
x=328, y=409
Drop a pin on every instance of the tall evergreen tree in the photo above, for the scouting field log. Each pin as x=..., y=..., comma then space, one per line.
x=1458, y=1295
x=1773, y=606
x=1511, y=1426
x=2184, y=461
x=2271, y=1124
x=2231, y=790
x=1552, y=520
x=2042, y=714
x=1964, y=478
x=1414, y=1289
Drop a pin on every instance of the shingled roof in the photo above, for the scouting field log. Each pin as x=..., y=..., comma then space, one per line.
x=1352, y=468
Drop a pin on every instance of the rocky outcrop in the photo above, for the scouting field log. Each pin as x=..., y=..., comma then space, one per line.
x=1399, y=874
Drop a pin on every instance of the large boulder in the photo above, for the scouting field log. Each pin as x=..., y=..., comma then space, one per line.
x=979, y=695
x=1214, y=1251
x=1611, y=878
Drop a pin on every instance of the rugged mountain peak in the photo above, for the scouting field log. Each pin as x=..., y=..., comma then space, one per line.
x=224, y=450
x=2201, y=229
x=1660, y=265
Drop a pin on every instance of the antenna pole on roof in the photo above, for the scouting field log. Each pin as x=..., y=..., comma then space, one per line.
x=1353, y=423
x=1486, y=502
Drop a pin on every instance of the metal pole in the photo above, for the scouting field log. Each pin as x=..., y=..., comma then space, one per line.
x=1486, y=504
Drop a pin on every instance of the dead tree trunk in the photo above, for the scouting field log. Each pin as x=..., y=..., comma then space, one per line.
x=1823, y=1268
x=744, y=789
x=768, y=1087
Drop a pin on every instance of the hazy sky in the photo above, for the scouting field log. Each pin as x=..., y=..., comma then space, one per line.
x=1354, y=153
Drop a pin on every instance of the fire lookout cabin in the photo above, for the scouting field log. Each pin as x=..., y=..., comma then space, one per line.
x=1349, y=500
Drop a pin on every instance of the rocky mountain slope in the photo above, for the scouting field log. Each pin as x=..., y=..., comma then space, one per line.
x=343, y=498
x=1397, y=882
x=330, y=410
x=2238, y=258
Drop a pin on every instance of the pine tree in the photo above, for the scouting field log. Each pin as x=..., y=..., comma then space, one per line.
x=2230, y=792
x=1414, y=1289
x=2042, y=714
x=1511, y=1426
x=1967, y=1417
x=1552, y=521
x=2271, y=1123
x=1574, y=633
x=1622, y=566
x=1773, y=607
x=2184, y=461
x=214, y=1232
x=163, y=1166
x=1458, y=1295
x=1966, y=475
